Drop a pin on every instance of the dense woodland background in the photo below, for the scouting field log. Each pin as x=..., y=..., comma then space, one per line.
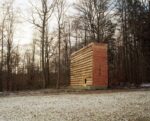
x=123, y=24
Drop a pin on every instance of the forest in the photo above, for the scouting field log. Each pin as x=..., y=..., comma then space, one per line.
x=45, y=63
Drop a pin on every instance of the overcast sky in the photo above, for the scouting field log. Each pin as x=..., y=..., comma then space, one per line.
x=24, y=29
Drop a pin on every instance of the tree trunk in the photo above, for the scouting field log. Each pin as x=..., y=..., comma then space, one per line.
x=59, y=42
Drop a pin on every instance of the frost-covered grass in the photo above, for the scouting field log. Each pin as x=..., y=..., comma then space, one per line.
x=123, y=106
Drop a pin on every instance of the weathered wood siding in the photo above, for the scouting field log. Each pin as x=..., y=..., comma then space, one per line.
x=89, y=66
x=82, y=66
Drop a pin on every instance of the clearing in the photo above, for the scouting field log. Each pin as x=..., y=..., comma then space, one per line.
x=115, y=106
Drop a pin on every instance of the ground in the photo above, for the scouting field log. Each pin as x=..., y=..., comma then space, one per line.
x=93, y=106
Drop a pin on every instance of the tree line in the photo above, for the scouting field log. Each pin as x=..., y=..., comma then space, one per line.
x=123, y=24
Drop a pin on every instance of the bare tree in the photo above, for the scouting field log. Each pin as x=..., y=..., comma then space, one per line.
x=96, y=16
x=5, y=8
x=10, y=36
x=40, y=18
x=7, y=36
x=2, y=34
x=2, y=43
x=60, y=12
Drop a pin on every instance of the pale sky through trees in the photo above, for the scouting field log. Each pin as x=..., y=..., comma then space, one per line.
x=24, y=29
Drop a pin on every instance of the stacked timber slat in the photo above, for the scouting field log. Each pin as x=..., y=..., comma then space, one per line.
x=81, y=67
x=89, y=66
